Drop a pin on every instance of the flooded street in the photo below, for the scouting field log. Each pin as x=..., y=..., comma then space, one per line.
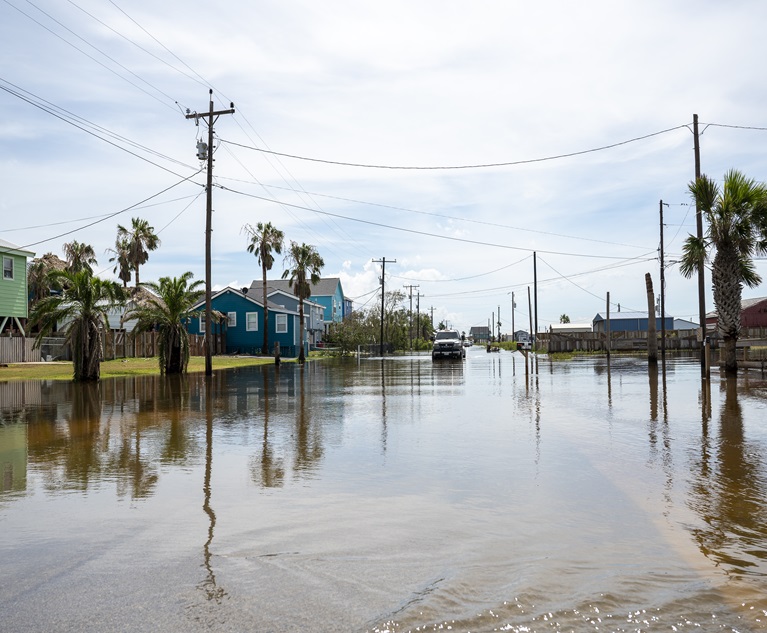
x=388, y=495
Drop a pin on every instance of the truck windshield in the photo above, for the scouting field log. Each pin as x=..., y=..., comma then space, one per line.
x=442, y=335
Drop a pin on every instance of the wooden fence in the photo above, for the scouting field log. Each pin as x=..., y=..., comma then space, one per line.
x=18, y=349
x=116, y=344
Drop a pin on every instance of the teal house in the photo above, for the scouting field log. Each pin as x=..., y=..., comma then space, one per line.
x=244, y=324
x=14, y=290
x=326, y=293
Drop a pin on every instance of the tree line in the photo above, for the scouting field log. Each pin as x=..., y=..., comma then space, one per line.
x=68, y=295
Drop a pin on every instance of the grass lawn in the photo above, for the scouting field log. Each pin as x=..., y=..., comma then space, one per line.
x=123, y=367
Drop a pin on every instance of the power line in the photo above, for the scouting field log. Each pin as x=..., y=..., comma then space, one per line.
x=415, y=232
x=111, y=215
x=446, y=167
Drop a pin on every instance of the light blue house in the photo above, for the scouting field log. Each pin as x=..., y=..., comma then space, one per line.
x=327, y=293
x=244, y=325
x=313, y=312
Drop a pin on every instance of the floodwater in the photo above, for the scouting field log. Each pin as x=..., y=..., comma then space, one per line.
x=388, y=496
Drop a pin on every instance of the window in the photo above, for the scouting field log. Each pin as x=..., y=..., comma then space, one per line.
x=231, y=319
x=202, y=324
x=7, y=268
x=281, y=323
x=251, y=321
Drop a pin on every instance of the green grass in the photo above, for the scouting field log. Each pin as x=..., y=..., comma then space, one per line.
x=59, y=370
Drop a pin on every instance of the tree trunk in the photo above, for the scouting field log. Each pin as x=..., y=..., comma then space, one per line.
x=301, y=355
x=725, y=277
x=652, y=332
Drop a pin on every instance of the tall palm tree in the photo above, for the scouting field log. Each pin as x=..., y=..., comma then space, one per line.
x=304, y=266
x=82, y=307
x=737, y=230
x=264, y=239
x=121, y=259
x=168, y=311
x=79, y=256
x=140, y=239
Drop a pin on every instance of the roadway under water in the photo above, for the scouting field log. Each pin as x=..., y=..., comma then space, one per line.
x=388, y=495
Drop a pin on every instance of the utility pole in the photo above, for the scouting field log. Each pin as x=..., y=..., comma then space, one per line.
x=431, y=309
x=499, y=323
x=410, y=314
x=535, y=297
x=513, y=305
x=662, y=293
x=701, y=281
x=207, y=152
x=418, y=316
x=383, y=296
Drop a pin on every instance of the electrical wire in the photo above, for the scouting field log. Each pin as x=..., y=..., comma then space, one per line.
x=415, y=232
x=111, y=215
x=448, y=167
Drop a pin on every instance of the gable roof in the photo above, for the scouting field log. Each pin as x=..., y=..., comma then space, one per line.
x=256, y=293
x=13, y=249
x=272, y=306
x=745, y=304
x=325, y=287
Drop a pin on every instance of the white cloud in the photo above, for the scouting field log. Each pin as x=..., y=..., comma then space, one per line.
x=431, y=83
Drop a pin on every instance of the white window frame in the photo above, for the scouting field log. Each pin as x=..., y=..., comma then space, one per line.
x=12, y=268
x=202, y=324
x=231, y=319
x=250, y=317
x=281, y=323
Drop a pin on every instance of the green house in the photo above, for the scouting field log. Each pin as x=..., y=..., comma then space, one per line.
x=14, y=293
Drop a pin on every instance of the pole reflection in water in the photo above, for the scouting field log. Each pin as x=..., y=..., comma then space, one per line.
x=208, y=585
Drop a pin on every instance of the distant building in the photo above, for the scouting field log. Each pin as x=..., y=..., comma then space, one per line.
x=753, y=313
x=479, y=333
x=629, y=322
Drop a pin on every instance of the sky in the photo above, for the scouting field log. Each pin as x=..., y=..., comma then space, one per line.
x=483, y=149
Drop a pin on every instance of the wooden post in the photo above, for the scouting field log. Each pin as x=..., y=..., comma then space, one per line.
x=652, y=332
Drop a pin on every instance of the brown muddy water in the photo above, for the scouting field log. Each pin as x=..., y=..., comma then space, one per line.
x=387, y=495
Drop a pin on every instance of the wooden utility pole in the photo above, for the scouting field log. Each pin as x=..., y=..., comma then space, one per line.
x=652, y=332
x=607, y=326
x=701, y=270
x=383, y=297
x=662, y=293
x=535, y=297
x=410, y=314
x=208, y=153
x=417, y=316
x=513, y=305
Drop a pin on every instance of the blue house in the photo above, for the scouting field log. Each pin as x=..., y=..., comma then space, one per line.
x=629, y=322
x=244, y=325
x=327, y=292
x=313, y=312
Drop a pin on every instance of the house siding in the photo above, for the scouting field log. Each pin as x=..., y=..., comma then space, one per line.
x=240, y=340
x=14, y=292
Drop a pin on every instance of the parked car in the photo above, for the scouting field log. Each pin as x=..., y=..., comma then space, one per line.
x=447, y=344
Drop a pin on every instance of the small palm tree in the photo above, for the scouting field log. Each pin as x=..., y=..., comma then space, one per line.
x=79, y=256
x=304, y=266
x=38, y=275
x=82, y=307
x=140, y=239
x=121, y=259
x=737, y=230
x=264, y=239
x=168, y=310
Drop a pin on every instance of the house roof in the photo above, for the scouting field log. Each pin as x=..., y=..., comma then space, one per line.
x=745, y=304
x=13, y=249
x=255, y=292
x=325, y=287
x=626, y=315
x=272, y=306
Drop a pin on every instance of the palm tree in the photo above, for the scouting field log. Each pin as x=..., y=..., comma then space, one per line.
x=79, y=256
x=304, y=266
x=140, y=239
x=121, y=257
x=168, y=311
x=737, y=230
x=264, y=239
x=82, y=307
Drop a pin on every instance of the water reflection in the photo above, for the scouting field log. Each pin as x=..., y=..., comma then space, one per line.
x=729, y=493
